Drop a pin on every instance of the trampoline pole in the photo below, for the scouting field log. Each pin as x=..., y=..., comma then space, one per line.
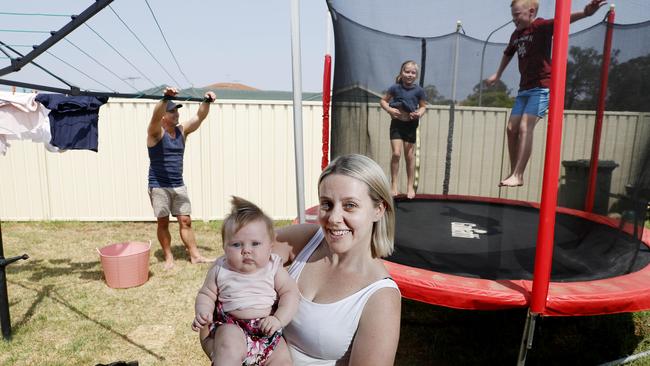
x=598, y=127
x=527, y=338
x=548, y=204
x=327, y=85
x=452, y=113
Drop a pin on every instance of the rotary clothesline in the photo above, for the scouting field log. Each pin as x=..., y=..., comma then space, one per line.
x=19, y=60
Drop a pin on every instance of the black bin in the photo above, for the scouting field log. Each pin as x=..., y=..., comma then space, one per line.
x=572, y=192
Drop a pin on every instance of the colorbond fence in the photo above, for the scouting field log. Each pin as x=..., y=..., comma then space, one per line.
x=246, y=148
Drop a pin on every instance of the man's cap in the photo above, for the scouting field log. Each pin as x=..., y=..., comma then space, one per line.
x=171, y=106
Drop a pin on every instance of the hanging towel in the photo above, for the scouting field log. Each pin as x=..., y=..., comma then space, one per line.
x=22, y=118
x=73, y=120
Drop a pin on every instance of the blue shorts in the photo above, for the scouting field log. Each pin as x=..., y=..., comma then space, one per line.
x=532, y=101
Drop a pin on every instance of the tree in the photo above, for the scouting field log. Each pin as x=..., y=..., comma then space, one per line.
x=583, y=78
x=629, y=83
x=497, y=95
x=434, y=96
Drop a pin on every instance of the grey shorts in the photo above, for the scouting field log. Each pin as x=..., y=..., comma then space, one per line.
x=166, y=201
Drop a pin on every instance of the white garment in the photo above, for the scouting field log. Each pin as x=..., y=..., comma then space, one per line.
x=247, y=290
x=321, y=334
x=22, y=118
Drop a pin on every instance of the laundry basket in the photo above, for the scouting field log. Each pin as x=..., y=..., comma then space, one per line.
x=125, y=264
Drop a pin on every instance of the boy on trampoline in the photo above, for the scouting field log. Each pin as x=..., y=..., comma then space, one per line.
x=532, y=40
x=243, y=285
x=405, y=102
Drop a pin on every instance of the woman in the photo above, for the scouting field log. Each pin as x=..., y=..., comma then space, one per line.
x=349, y=311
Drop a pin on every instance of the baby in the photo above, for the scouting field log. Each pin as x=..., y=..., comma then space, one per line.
x=243, y=285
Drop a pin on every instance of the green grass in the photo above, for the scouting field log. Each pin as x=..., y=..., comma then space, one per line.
x=62, y=312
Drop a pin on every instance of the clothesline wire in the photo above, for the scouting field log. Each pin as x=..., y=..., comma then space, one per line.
x=23, y=31
x=76, y=89
x=99, y=63
x=143, y=45
x=80, y=71
x=36, y=14
x=103, y=39
x=5, y=52
x=120, y=54
x=35, y=64
x=167, y=43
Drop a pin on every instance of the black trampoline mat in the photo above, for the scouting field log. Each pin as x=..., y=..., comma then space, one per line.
x=497, y=241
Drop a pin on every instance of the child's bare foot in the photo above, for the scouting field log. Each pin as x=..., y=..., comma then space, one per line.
x=394, y=192
x=201, y=259
x=410, y=193
x=511, y=181
x=169, y=264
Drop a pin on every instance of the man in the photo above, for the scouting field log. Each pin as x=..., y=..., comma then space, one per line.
x=166, y=145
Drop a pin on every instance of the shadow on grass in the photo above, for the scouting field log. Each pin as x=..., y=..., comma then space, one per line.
x=432, y=335
x=48, y=292
x=41, y=269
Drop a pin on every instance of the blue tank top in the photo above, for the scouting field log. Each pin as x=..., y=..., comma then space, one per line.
x=166, y=161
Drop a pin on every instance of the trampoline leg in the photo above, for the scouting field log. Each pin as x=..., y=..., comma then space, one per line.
x=527, y=338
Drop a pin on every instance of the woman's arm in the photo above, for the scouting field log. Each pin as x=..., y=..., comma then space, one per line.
x=378, y=334
x=290, y=240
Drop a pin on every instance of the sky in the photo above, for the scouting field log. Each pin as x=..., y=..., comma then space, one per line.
x=244, y=41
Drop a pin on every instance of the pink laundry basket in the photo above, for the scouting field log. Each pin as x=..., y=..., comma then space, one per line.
x=125, y=264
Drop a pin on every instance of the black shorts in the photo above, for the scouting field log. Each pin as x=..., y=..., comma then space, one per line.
x=400, y=130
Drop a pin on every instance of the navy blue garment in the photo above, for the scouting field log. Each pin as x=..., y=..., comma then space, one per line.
x=166, y=161
x=73, y=120
x=406, y=99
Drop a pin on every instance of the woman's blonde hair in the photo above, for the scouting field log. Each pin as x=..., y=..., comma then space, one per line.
x=242, y=213
x=398, y=79
x=363, y=168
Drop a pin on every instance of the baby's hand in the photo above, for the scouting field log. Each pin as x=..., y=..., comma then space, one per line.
x=200, y=321
x=270, y=325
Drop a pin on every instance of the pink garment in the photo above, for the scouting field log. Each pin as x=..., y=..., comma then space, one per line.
x=247, y=291
x=22, y=118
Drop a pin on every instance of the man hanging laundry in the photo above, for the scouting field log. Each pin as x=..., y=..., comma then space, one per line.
x=166, y=144
x=73, y=120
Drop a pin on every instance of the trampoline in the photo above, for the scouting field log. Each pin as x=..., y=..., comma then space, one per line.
x=478, y=253
x=478, y=248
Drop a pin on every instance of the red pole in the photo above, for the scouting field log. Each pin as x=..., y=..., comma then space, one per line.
x=600, y=111
x=546, y=227
x=327, y=77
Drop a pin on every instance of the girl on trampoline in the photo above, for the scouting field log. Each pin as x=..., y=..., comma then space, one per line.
x=405, y=102
x=349, y=310
x=243, y=285
x=532, y=41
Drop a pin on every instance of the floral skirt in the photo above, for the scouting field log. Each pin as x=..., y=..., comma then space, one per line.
x=259, y=345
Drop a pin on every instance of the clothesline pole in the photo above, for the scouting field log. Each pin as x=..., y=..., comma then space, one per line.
x=5, y=319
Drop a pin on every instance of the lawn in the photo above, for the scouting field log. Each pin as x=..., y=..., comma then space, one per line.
x=62, y=312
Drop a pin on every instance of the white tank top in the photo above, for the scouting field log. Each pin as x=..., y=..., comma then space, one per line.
x=247, y=291
x=321, y=334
